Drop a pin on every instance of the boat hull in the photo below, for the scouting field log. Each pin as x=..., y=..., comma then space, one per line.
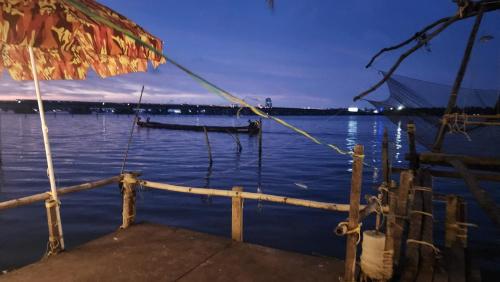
x=226, y=129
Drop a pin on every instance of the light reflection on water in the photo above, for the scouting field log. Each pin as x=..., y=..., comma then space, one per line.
x=90, y=147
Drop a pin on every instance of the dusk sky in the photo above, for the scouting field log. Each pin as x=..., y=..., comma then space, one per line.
x=304, y=53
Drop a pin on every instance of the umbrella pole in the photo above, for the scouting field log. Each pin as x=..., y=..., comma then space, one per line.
x=45, y=133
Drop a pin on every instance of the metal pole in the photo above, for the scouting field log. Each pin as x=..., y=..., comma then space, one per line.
x=48, y=154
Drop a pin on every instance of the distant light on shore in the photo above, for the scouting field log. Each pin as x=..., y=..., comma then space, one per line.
x=352, y=109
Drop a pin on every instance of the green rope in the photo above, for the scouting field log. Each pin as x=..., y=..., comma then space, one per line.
x=205, y=83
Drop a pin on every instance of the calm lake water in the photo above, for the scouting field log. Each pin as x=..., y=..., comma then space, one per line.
x=91, y=147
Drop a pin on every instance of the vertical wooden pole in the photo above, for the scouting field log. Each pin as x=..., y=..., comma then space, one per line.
x=260, y=142
x=414, y=162
x=427, y=254
x=458, y=80
x=128, y=214
x=208, y=145
x=412, y=255
x=55, y=236
x=385, y=159
x=462, y=217
x=352, y=238
x=405, y=182
x=237, y=216
x=390, y=226
x=451, y=220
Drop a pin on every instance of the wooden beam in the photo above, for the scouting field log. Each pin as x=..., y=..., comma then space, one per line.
x=470, y=161
x=353, y=222
x=453, y=174
x=485, y=201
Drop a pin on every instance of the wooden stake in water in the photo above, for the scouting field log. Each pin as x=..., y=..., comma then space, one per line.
x=260, y=142
x=353, y=223
x=208, y=145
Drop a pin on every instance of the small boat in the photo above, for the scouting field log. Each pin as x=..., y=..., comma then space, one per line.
x=252, y=128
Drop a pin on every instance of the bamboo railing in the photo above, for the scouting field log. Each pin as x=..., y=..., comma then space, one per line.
x=246, y=195
x=130, y=182
x=61, y=191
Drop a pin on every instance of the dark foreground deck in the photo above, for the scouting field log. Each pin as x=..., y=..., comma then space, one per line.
x=149, y=252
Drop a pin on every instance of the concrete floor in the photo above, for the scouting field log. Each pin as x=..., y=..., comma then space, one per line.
x=148, y=252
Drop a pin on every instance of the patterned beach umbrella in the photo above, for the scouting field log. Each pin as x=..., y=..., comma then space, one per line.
x=61, y=39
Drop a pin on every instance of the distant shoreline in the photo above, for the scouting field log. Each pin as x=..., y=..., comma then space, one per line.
x=77, y=107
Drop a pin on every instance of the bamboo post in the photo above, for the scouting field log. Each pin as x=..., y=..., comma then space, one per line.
x=237, y=216
x=55, y=237
x=405, y=181
x=46, y=143
x=458, y=80
x=208, y=145
x=353, y=223
x=410, y=129
x=128, y=214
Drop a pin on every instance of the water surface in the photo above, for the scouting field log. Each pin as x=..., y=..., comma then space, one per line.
x=91, y=147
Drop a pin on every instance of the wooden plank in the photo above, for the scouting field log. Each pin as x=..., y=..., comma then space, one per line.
x=353, y=222
x=451, y=220
x=486, y=202
x=406, y=179
x=237, y=216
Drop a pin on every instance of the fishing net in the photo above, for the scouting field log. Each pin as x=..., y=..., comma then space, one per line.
x=424, y=103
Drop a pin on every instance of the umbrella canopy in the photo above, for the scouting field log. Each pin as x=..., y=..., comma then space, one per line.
x=66, y=42
x=56, y=39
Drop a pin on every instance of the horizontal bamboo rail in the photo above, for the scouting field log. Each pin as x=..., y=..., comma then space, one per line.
x=248, y=195
x=61, y=191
